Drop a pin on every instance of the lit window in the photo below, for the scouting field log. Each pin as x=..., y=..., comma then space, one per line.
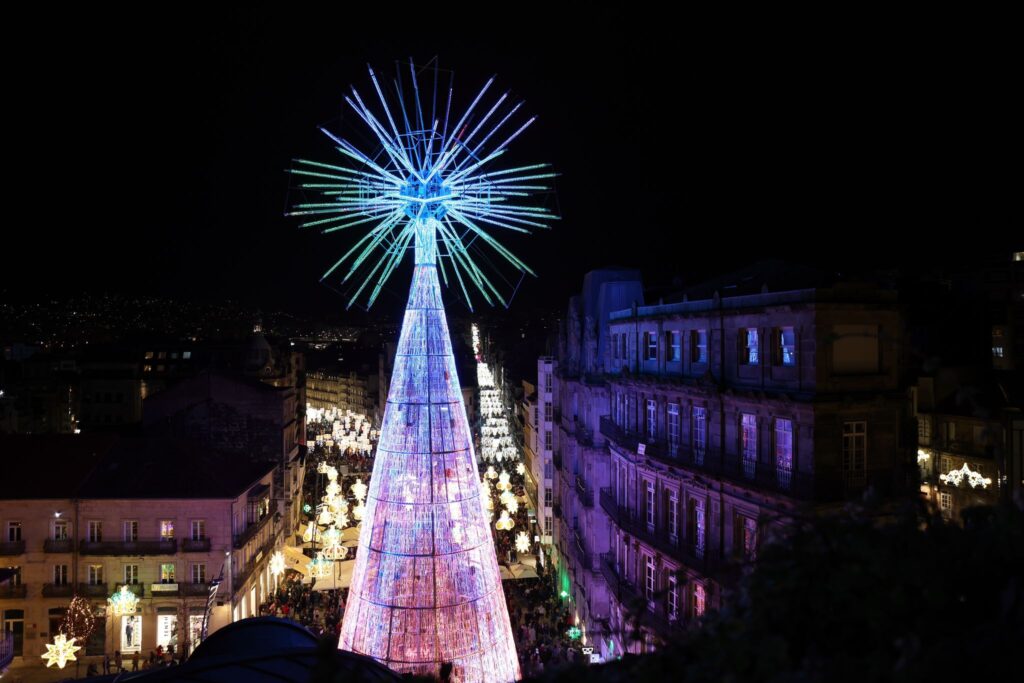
x=786, y=340
x=946, y=504
x=650, y=346
x=149, y=355
x=699, y=599
x=167, y=572
x=147, y=368
x=674, y=339
x=748, y=443
x=997, y=351
x=784, y=451
x=700, y=433
x=699, y=346
x=186, y=354
x=1018, y=256
x=673, y=427
x=748, y=346
x=167, y=529
x=652, y=419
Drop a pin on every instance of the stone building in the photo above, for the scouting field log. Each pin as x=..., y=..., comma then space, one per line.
x=690, y=430
x=161, y=516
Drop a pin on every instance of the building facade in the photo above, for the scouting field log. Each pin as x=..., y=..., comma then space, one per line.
x=702, y=426
x=166, y=519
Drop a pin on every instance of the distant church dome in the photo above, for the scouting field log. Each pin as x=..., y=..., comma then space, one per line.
x=258, y=358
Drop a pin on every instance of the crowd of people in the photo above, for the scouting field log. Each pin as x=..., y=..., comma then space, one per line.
x=540, y=624
x=319, y=611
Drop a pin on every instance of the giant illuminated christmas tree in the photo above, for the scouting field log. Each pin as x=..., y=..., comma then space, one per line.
x=426, y=588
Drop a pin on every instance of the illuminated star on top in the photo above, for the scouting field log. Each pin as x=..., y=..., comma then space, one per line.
x=61, y=651
x=433, y=181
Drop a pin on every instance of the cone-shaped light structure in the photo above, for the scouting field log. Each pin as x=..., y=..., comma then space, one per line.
x=426, y=588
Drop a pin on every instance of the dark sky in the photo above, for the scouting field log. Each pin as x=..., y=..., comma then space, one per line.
x=148, y=151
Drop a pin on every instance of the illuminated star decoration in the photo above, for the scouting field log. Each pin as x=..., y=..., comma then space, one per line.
x=61, y=651
x=123, y=602
x=277, y=564
x=433, y=170
x=522, y=542
x=574, y=632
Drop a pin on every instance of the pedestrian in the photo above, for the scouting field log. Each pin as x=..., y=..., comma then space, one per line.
x=118, y=662
x=135, y=661
x=106, y=663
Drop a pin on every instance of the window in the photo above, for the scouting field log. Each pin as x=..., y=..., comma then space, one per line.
x=748, y=346
x=95, y=531
x=650, y=505
x=199, y=573
x=785, y=339
x=700, y=433
x=149, y=355
x=673, y=515
x=186, y=354
x=95, y=574
x=547, y=382
x=131, y=530
x=14, y=623
x=746, y=529
x=549, y=469
x=946, y=504
x=674, y=341
x=699, y=346
x=748, y=443
x=198, y=530
x=924, y=430
x=673, y=428
x=547, y=525
x=13, y=531
x=547, y=440
x=60, y=575
x=997, y=351
x=650, y=346
x=699, y=526
x=784, y=452
x=855, y=453
x=652, y=419
x=166, y=529
x=167, y=572
x=673, y=598
x=60, y=530
x=649, y=578
x=623, y=339
x=548, y=411
x=548, y=496
x=615, y=346
x=131, y=573
x=699, y=599
x=855, y=349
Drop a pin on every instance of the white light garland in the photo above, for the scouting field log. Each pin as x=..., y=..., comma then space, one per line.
x=955, y=477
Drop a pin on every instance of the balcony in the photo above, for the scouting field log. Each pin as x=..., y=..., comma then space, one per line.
x=693, y=555
x=826, y=484
x=58, y=590
x=13, y=592
x=12, y=547
x=167, y=546
x=194, y=590
x=62, y=545
x=635, y=604
x=579, y=547
x=254, y=527
x=164, y=590
x=584, y=492
x=201, y=545
x=93, y=590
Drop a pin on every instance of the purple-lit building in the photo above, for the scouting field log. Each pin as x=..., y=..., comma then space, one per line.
x=691, y=430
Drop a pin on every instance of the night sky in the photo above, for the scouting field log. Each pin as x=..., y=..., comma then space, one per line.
x=149, y=151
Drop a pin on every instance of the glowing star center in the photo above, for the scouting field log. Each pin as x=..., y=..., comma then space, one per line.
x=427, y=199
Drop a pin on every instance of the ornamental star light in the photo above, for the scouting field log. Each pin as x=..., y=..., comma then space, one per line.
x=277, y=564
x=61, y=651
x=433, y=182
